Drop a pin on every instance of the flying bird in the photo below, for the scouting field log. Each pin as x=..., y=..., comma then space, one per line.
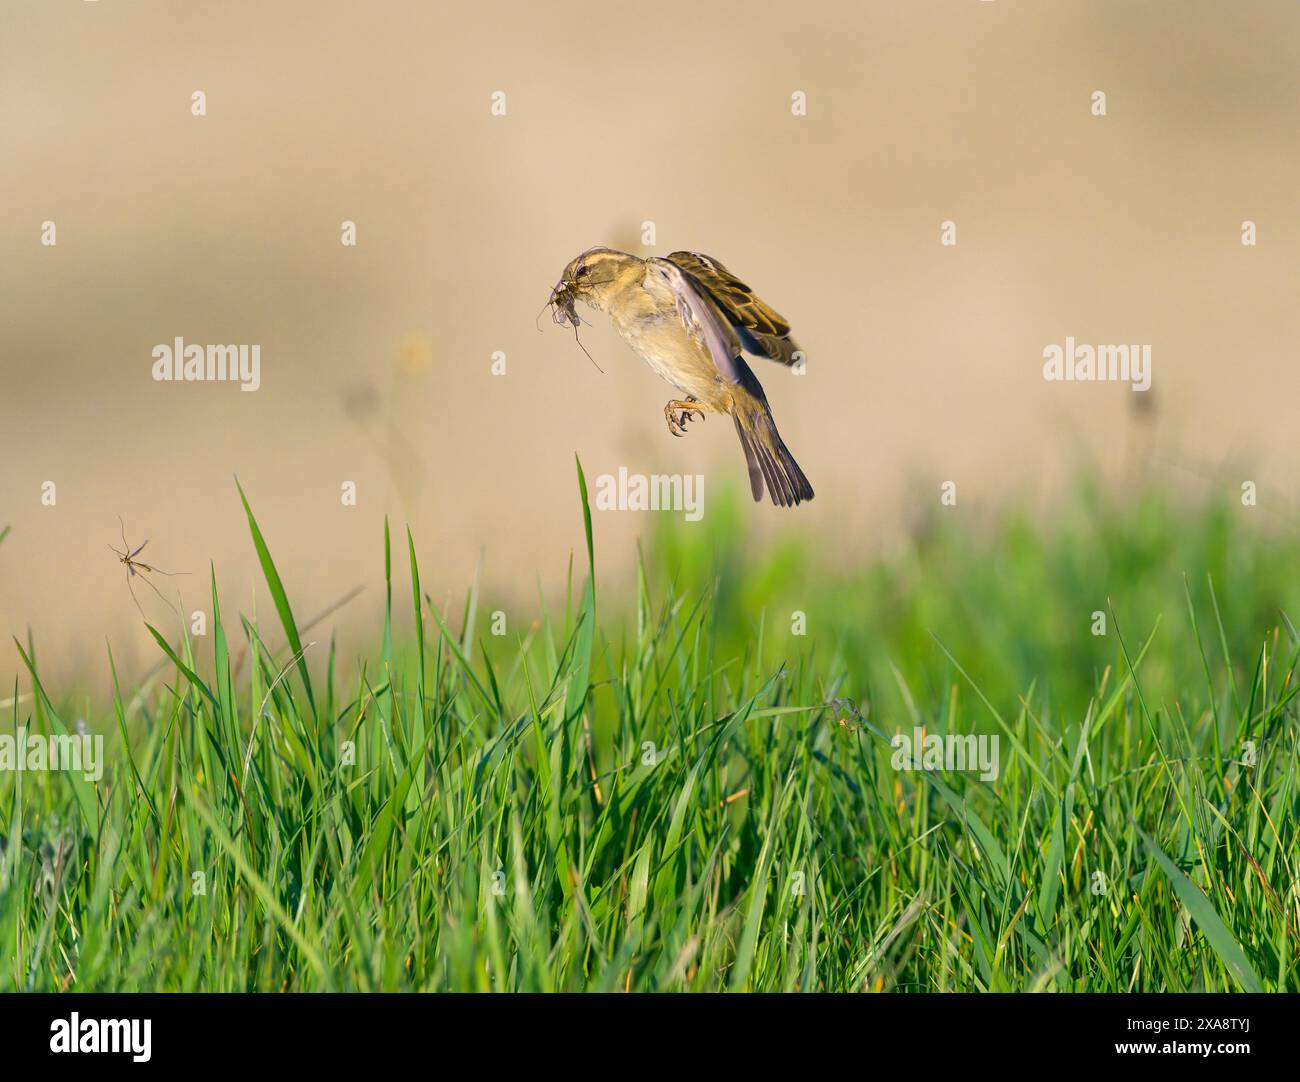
x=690, y=319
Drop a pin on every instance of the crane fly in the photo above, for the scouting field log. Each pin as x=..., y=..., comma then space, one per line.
x=562, y=304
x=137, y=569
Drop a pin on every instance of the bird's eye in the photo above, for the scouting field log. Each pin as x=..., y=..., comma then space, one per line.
x=582, y=271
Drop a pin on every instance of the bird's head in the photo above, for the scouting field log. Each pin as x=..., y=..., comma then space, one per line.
x=594, y=277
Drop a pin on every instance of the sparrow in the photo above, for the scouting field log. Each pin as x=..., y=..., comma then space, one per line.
x=690, y=319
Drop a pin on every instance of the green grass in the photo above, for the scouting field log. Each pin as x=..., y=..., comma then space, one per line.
x=669, y=789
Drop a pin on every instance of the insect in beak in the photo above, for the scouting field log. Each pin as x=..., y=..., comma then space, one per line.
x=563, y=301
x=563, y=305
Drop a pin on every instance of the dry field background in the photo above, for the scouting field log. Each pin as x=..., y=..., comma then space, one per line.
x=924, y=360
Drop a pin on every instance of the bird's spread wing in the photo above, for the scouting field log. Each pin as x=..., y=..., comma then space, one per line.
x=763, y=332
x=699, y=316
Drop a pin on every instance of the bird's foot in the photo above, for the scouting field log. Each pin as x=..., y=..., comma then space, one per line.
x=678, y=413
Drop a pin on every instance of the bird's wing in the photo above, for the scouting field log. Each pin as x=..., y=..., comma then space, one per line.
x=699, y=316
x=763, y=331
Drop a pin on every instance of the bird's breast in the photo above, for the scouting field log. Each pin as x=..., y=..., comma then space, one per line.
x=660, y=340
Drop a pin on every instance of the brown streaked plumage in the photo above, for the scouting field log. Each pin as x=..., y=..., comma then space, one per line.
x=690, y=319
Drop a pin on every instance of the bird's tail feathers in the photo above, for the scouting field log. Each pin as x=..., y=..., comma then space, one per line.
x=769, y=459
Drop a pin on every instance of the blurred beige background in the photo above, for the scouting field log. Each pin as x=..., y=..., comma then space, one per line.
x=925, y=361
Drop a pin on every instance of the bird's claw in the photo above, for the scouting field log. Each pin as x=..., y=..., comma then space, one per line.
x=677, y=419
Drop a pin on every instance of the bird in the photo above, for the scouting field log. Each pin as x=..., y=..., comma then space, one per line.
x=690, y=319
